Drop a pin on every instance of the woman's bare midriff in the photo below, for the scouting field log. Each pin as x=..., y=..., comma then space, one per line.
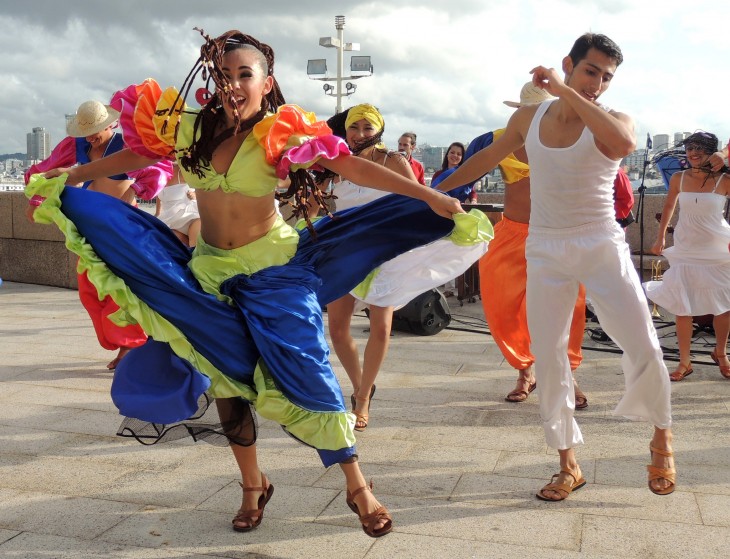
x=230, y=220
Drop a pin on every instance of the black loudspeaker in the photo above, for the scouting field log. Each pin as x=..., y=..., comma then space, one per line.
x=425, y=315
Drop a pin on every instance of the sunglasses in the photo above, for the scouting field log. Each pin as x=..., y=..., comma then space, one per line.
x=697, y=147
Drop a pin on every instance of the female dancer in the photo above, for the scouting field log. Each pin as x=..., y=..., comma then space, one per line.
x=241, y=320
x=698, y=279
x=362, y=128
x=178, y=209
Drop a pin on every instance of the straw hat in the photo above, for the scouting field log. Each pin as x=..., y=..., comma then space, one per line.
x=530, y=95
x=91, y=118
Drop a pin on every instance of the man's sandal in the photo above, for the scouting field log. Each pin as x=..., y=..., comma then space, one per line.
x=248, y=515
x=681, y=372
x=581, y=400
x=563, y=489
x=369, y=520
x=724, y=370
x=520, y=394
x=668, y=474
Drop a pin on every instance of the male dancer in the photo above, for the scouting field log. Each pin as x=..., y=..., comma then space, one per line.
x=90, y=137
x=574, y=146
x=503, y=270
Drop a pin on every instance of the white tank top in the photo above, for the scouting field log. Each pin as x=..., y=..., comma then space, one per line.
x=350, y=195
x=570, y=186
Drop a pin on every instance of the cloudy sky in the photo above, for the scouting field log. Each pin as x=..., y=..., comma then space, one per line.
x=442, y=69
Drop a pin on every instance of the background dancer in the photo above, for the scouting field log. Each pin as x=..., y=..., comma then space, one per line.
x=698, y=279
x=90, y=137
x=362, y=126
x=503, y=270
x=177, y=208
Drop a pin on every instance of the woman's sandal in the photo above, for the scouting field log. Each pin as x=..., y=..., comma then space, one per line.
x=668, y=474
x=352, y=398
x=724, y=370
x=561, y=488
x=249, y=515
x=369, y=521
x=681, y=372
x=361, y=419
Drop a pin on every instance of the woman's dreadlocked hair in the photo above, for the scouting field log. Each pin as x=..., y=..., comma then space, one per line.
x=196, y=158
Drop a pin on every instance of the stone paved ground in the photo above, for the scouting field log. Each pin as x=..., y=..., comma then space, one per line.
x=457, y=466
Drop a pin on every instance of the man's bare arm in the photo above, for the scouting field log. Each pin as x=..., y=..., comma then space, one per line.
x=488, y=158
x=613, y=131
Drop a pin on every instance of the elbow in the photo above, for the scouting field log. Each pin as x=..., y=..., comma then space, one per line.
x=626, y=146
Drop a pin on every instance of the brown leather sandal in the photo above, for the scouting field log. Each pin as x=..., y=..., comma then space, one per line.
x=248, y=515
x=563, y=489
x=581, y=400
x=369, y=521
x=520, y=395
x=681, y=372
x=668, y=474
x=724, y=370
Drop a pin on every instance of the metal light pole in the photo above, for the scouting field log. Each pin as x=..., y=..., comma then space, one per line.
x=317, y=68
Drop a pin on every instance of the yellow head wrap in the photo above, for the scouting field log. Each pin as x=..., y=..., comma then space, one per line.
x=367, y=112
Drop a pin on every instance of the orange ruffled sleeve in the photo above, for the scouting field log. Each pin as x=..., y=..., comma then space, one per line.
x=145, y=132
x=289, y=127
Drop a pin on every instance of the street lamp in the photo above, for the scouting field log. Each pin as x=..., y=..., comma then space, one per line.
x=360, y=66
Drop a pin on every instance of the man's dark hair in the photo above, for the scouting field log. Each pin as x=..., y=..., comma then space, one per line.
x=601, y=43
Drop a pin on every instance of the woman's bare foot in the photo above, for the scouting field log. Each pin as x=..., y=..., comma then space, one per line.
x=114, y=362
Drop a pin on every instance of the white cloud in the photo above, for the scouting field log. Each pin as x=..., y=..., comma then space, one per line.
x=441, y=69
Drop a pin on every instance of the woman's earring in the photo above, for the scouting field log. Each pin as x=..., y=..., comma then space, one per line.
x=203, y=96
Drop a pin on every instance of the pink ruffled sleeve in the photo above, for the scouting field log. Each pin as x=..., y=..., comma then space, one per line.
x=307, y=154
x=63, y=155
x=148, y=182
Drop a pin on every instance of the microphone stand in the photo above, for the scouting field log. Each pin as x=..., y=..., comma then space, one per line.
x=640, y=211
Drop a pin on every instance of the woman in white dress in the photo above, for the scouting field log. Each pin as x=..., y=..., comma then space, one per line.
x=178, y=209
x=698, y=279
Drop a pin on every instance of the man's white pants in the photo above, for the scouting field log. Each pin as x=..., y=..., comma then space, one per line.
x=597, y=256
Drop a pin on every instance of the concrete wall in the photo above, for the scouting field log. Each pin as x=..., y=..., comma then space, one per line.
x=33, y=253
x=29, y=252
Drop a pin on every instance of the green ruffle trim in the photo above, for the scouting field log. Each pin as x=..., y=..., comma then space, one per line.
x=323, y=430
x=471, y=228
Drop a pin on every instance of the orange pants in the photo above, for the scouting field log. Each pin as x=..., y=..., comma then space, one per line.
x=109, y=334
x=503, y=281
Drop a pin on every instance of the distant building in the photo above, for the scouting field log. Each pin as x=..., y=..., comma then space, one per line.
x=679, y=136
x=661, y=142
x=432, y=156
x=39, y=144
x=13, y=166
x=635, y=160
